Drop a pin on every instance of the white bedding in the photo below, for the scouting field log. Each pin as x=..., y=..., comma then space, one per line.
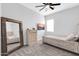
x=56, y=37
x=70, y=37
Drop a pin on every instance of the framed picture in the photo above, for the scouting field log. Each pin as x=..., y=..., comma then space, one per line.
x=40, y=26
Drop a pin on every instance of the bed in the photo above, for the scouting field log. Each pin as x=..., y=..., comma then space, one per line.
x=68, y=43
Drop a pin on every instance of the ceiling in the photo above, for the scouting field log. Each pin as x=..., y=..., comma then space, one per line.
x=47, y=10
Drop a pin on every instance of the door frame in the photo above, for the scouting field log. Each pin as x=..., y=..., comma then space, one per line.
x=4, y=51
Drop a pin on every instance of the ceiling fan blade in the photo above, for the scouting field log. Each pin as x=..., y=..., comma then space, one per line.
x=55, y=4
x=42, y=8
x=45, y=3
x=51, y=8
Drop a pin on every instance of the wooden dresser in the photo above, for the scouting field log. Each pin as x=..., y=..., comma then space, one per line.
x=31, y=36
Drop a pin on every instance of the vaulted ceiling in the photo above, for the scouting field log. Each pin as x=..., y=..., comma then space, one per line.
x=47, y=10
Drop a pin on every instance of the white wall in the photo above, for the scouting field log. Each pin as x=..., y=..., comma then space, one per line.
x=65, y=21
x=19, y=12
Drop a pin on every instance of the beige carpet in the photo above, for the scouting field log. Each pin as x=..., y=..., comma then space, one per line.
x=39, y=49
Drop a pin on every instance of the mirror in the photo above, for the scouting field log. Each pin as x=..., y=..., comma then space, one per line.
x=13, y=38
x=11, y=35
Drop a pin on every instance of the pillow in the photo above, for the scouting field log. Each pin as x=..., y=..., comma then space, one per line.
x=77, y=40
x=71, y=37
x=77, y=35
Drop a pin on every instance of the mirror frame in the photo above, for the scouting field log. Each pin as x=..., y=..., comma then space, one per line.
x=4, y=51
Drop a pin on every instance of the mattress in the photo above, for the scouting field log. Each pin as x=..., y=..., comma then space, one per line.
x=57, y=37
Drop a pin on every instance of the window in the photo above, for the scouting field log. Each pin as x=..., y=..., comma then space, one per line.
x=50, y=25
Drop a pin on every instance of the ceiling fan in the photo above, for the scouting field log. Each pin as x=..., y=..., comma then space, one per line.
x=48, y=4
